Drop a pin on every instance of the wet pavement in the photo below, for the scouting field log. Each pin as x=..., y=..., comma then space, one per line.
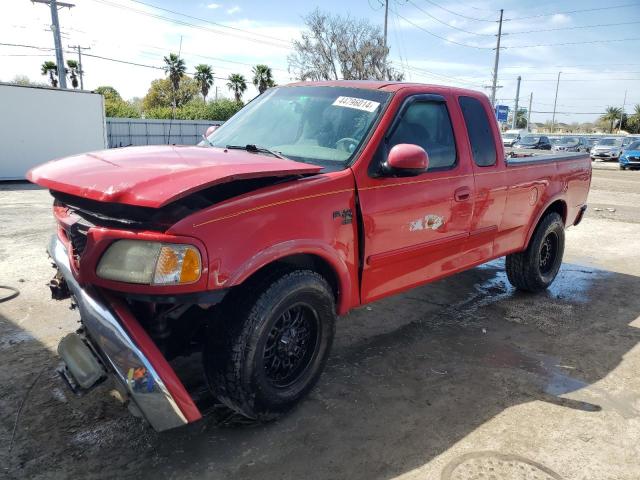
x=465, y=378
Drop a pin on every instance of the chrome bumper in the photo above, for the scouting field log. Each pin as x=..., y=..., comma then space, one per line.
x=118, y=351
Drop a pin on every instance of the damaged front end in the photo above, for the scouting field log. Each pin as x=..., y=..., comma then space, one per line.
x=118, y=343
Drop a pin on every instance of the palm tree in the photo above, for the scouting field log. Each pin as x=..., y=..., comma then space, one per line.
x=204, y=77
x=237, y=84
x=262, y=77
x=611, y=115
x=176, y=68
x=73, y=72
x=50, y=68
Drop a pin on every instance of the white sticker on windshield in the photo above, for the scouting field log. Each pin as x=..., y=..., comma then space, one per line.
x=357, y=103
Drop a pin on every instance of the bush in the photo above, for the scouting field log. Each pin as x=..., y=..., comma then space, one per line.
x=198, y=110
x=120, y=109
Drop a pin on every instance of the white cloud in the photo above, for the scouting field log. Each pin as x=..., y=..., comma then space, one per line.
x=560, y=18
x=234, y=9
x=214, y=6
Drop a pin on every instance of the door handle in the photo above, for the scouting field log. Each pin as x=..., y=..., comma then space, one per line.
x=462, y=194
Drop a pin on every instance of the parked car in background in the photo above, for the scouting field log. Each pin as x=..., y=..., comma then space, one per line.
x=592, y=141
x=510, y=137
x=539, y=142
x=630, y=157
x=607, y=149
x=571, y=144
x=554, y=140
x=628, y=141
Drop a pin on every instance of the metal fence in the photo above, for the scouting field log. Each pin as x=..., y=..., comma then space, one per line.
x=124, y=132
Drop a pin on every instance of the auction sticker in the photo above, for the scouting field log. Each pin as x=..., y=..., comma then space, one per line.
x=357, y=103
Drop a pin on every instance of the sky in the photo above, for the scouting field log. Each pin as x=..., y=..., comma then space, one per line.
x=432, y=41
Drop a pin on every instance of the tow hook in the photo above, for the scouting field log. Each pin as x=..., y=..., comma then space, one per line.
x=59, y=288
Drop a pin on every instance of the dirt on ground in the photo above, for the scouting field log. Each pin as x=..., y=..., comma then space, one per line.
x=464, y=378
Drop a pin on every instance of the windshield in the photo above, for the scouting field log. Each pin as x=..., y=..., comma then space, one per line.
x=634, y=146
x=529, y=140
x=510, y=136
x=567, y=141
x=324, y=126
x=608, y=142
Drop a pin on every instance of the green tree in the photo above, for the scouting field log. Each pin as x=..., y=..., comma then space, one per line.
x=26, y=81
x=175, y=68
x=108, y=92
x=161, y=93
x=72, y=70
x=262, y=77
x=611, y=116
x=204, y=77
x=633, y=123
x=237, y=84
x=51, y=69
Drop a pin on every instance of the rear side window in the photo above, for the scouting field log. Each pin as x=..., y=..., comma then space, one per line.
x=480, y=134
x=428, y=125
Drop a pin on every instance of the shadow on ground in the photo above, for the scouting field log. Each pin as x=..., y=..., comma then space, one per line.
x=408, y=378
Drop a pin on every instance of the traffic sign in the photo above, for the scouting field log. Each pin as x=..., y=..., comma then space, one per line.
x=502, y=113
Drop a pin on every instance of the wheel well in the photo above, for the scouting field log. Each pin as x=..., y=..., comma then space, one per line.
x=560, y=207
x=300, y=261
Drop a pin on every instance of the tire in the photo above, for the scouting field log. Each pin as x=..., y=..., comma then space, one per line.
x=534, y=269
x=270, y=353
x=622, y=167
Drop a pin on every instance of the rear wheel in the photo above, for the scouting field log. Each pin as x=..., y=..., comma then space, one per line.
x=536, y=268
x=271, y=353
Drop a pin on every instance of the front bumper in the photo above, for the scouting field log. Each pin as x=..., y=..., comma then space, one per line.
x=605, y=154
x=126, y=350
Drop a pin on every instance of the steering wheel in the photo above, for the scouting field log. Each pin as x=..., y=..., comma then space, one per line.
x=347, y=144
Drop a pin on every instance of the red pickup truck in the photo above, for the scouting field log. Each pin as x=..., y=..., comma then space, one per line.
x=314, y=199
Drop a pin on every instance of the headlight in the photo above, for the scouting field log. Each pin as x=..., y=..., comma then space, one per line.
x=135, y=261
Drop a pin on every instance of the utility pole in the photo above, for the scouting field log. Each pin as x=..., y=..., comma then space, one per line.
x=514, y=120
x=386, y=16
x=529, y=112
x=55, y=28
x=622, y=112
x=495, y=65
x=79, y=49
x=553, y=119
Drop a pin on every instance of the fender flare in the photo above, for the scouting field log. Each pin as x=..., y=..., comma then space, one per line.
x=541, y=212
x=297, y=247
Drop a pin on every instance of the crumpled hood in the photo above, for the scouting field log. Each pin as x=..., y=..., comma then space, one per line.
x=157, y=175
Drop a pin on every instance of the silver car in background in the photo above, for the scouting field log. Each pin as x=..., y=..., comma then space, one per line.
x=607, y=149
x=571, y=144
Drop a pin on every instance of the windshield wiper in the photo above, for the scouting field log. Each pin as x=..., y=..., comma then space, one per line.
x=257, y=149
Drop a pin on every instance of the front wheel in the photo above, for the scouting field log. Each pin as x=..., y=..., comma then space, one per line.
x=536, y=268
x=269, y=354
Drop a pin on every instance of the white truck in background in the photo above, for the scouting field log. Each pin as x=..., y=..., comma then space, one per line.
x=510, y=137
x=38, y=124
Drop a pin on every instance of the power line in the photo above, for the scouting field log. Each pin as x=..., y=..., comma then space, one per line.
x=440, y=37
x=573, y=28
x=447, y=24
x=191, y=25
x=209, y=21
x=573, y=43
x=566, y=12
x=475, y=19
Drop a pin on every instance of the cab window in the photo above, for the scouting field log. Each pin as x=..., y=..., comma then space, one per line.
x=479, y=129
x=428, y=125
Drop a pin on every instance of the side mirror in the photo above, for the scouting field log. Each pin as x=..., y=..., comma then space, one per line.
x=211, y=129
x=406, y=160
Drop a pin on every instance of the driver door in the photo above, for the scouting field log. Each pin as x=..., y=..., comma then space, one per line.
x=415, y=228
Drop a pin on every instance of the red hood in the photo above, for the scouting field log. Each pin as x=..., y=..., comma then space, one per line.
x=156, y=175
